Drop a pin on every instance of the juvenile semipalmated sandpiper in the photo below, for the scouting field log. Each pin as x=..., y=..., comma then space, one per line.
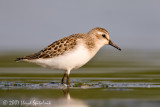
x=71, y=52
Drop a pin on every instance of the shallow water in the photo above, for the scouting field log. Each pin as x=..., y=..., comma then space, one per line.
x=118, y=87
x=81, y=93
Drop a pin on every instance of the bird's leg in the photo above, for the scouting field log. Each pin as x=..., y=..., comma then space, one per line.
x=63, y=78
x=68, y=80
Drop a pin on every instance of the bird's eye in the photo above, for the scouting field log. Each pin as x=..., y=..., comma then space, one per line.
x=104, y=35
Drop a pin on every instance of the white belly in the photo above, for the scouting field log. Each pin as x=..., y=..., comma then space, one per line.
x=68, y=61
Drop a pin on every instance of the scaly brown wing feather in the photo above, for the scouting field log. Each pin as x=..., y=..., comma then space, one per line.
x=55, y=49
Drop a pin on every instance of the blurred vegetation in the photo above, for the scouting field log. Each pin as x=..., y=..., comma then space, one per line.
x=8, y=60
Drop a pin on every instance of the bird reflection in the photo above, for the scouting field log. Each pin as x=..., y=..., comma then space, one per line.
x=66, y=93
x=66, y=101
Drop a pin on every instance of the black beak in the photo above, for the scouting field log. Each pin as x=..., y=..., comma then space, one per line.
x=114, y=45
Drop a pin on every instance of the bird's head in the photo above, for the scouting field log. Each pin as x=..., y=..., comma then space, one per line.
x=102, y=36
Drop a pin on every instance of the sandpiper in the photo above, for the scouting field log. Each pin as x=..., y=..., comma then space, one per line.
x=71, y=52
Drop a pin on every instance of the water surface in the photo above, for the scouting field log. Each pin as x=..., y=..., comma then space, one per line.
x=22, y=87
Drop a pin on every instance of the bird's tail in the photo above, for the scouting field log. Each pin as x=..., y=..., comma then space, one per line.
x=18, y=59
